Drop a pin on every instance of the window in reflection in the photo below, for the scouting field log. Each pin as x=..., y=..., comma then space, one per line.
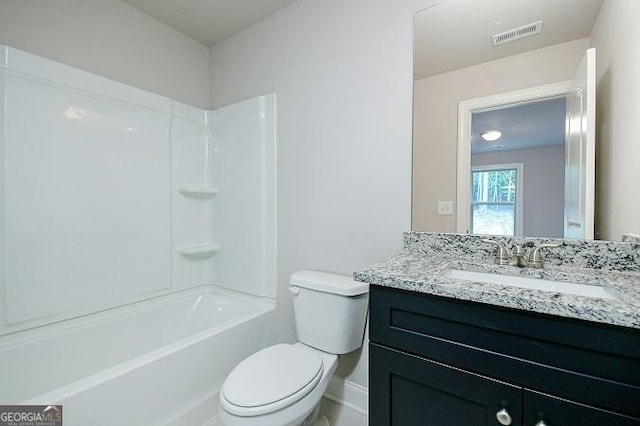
x=496, y=199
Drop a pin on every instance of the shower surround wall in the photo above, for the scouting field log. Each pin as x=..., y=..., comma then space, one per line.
x=112, y=195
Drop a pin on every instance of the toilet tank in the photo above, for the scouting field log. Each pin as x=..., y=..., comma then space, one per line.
x=330, y=310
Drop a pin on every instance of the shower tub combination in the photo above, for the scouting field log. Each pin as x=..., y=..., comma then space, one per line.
x=161, y=361
x=137, y=245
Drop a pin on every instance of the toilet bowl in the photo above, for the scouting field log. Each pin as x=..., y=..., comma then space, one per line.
x=292, y=382
x=283, y=384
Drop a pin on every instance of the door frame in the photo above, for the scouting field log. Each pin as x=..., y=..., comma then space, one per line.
x=465, y=109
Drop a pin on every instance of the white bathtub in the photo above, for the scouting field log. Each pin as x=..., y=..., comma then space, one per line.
x=161, y=361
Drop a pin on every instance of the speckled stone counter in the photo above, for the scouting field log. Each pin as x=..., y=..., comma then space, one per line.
x=423, y=266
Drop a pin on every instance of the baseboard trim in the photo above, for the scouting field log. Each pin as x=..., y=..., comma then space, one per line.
x=349, y=394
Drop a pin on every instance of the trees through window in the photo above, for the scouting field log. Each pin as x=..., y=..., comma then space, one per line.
x=496, y=199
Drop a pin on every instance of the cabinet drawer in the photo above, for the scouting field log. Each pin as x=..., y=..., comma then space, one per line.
x=591, y=363
x=409, y=390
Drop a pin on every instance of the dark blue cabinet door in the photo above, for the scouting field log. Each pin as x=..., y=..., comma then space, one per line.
x=541, y=409
x=406, y=390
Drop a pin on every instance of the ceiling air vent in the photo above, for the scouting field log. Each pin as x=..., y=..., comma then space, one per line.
x=517, y=33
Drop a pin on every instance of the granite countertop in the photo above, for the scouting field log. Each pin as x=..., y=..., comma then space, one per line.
x=415, y=270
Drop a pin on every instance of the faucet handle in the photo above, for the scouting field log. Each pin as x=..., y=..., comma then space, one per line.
x=535, y=259
x=502, y=256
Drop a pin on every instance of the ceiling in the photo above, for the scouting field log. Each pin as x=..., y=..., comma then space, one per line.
x=209, y=21
x=530, y=125
x=457, y=33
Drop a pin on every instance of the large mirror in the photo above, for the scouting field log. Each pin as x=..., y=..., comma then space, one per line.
x=514, y=104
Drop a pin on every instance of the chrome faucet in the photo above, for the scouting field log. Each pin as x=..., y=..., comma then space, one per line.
x=518, y=256
x=535, y=258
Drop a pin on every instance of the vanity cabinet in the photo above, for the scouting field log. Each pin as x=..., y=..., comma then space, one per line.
x=437, y=361
x=410, y=390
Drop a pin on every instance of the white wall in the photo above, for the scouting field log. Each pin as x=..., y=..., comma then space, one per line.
x=543, y=186
x=111, y=237
x=342, y=72
x=436, y=117
x=243, y=169
x=616, y=37
x=111, y=39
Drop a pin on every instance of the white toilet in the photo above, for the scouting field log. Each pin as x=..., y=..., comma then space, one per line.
x=283, y=384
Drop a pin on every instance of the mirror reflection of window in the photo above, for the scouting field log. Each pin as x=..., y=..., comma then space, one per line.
x=496, y=199
x=531, y=133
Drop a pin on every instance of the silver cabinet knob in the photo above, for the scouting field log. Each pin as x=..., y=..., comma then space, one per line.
x=504, y=418
x=541, y=423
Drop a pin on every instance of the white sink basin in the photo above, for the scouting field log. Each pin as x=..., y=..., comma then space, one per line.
x=532, y=283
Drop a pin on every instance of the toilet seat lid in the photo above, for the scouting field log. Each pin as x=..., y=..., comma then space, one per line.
x=271, y=379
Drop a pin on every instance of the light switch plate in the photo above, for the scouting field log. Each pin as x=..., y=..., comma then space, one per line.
x=445, y=208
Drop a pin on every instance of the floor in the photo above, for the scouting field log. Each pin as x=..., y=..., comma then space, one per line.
x=338, y=415
x=341, y=415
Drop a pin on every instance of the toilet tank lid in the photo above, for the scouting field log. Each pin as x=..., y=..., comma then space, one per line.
x=329, y=283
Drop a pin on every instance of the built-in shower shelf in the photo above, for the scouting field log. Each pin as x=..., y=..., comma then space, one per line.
x=198, y=251
x=198, y=191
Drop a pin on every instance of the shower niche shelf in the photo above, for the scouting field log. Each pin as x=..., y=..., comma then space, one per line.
x=195, y=191
x=198, y=251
